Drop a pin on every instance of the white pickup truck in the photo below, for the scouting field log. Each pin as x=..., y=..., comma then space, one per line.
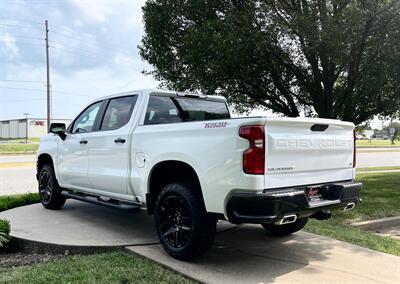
x=184, y=159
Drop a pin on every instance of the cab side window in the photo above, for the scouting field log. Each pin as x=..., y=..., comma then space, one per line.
x=85, y=121
x=162, y=110
x=118, y=113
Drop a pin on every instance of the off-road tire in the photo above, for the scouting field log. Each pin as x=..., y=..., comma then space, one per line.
x=284, y=230
x=192, y=214
x=49, y=190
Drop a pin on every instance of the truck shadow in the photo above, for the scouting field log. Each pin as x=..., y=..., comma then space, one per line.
x=247, y=254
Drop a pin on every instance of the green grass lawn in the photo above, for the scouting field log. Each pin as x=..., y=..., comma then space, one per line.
x=378, y=169
x=114, y=267
x=381, y=198
x=376, y=143
x=12, y=201
x=19, y=140
x=18, y=148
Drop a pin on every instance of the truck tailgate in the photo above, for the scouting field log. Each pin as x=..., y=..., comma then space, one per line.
x=300, y=151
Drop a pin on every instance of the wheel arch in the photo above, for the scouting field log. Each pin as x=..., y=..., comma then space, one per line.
x=43, y=159
x=168, y=171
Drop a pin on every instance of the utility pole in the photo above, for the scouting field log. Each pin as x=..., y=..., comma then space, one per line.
x=26, y=129
x=48, y=78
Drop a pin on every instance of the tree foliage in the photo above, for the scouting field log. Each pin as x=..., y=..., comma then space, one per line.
x=330, y=58
x=396, y=134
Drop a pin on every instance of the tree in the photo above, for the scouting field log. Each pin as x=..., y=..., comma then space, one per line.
x=330, y=58
x=396, y=134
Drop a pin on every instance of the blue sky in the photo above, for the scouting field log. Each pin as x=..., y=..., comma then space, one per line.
x=93, y=53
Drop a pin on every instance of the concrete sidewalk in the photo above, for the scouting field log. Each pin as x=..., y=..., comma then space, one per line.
x=247, y=254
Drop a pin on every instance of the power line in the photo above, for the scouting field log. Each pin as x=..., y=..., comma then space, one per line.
x=43, y=90
x=19, y=26
x=24, y=81
x=23, y=42
x=23, y=89
x=40, y=99
x=80, y=51
x=85, y=38
x=80, y=38
x=61, y=48
x=22, y=100
x=19, y=21
x=72, y=94
x=26, y=37
x=94, y=42
x=65, y=47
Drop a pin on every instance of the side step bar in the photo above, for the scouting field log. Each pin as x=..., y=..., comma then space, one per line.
x=112, y=203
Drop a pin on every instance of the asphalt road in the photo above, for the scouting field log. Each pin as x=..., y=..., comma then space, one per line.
x=15, y=180
x=377, y=158
x=17, y=159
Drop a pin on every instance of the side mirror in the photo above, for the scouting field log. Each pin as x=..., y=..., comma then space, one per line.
x=59, y=129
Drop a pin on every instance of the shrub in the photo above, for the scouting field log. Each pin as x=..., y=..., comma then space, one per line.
x=4, y=232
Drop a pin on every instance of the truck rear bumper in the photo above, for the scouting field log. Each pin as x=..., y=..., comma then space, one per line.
x=271, y=205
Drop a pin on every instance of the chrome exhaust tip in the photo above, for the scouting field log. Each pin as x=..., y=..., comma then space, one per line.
x=349, y=206
x=287, y=219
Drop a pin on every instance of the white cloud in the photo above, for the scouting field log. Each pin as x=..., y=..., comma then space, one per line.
x=77, y=24
x=10, y=45
x=95, y=10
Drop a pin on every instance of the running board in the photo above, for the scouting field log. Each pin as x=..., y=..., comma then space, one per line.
x=112, y=203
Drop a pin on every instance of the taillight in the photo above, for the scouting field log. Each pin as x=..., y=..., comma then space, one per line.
x=254, y=156
x=354, y=149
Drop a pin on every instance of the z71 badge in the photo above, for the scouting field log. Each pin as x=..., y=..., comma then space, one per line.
x=215, y=124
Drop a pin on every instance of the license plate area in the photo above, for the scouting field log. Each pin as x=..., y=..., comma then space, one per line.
x=316, y=193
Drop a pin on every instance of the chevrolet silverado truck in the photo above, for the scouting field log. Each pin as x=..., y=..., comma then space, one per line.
x=182, y=158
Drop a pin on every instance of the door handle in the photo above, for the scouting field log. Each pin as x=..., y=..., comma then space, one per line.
x=119, y=140
x=83, y=141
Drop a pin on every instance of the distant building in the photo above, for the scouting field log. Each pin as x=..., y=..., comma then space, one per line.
x=16, y=128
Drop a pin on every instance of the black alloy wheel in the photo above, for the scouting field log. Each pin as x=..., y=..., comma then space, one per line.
x=175, y=222
x=184, y=227
x=49, y=190
x=45, y=189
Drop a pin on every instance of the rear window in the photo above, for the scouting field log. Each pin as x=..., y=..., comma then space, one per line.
x=163, y=109
x=198, y=109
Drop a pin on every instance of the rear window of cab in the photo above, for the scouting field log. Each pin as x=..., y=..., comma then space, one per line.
x=163, y=109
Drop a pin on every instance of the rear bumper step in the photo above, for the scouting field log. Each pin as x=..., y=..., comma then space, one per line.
x=273, y=205
x=112, y=203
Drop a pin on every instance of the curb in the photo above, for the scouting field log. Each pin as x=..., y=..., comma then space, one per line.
x=144, y=257
x=378, y=224
x=17, y=244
